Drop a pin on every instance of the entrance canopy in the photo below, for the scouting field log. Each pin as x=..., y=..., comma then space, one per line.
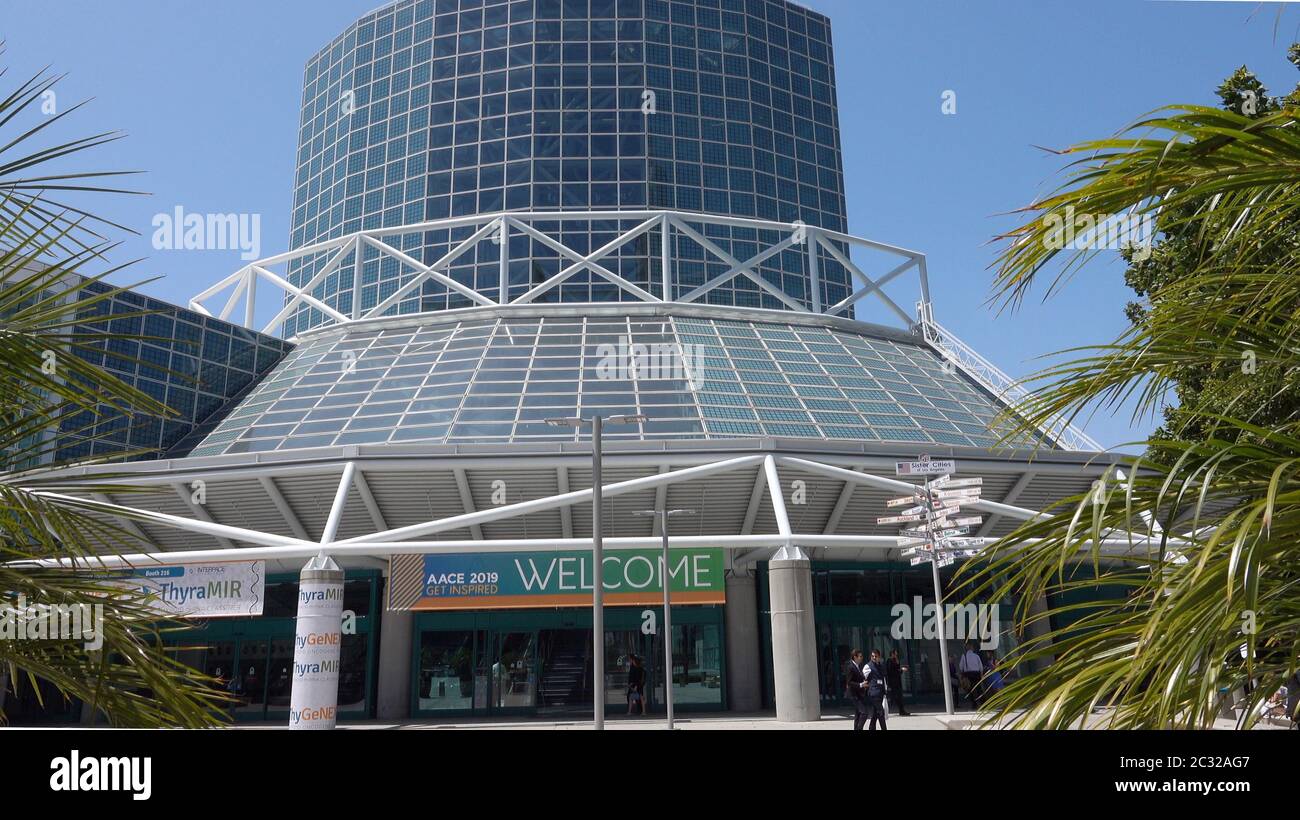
x=359, y=504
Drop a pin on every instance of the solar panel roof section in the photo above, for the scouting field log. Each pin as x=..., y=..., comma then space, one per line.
x=498, y=380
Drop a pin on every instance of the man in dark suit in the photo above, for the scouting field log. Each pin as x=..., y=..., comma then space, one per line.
x=894, y=670
x=876, y=688
x=855, y=683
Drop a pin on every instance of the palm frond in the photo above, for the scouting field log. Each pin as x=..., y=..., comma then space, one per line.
x=53, y=326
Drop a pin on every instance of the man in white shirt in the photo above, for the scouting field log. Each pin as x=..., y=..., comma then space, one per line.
x=971, y=667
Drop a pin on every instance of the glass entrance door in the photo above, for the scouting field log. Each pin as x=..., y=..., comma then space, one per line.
x=836, y=642
x=513, y=673
x=279, y=681
x=564, y=683
x=250, y=679
x=447, y=678
x=620, y=645
x=219, y=662
x=520, y=662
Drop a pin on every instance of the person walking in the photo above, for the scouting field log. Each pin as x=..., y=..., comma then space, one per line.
x=1293, y=700
x=855, y=686
x=876, y=687
x=993, y=680
x=894, y=670
x=635, y=685
x=971, y=668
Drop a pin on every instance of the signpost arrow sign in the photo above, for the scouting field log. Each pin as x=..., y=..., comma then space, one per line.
x=898, y=519
x=965, y=543
x=927, y=467
x=911, y=499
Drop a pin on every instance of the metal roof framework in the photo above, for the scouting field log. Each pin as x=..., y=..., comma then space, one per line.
x=350, y=506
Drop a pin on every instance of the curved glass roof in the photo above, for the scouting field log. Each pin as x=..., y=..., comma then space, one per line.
x=498, y=379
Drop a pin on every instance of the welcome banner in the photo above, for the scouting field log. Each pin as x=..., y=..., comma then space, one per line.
x=542, y=579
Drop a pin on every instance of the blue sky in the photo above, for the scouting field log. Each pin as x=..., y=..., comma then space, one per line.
x=208, y=94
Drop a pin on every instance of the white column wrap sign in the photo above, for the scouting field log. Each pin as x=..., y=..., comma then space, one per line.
x=314, y=700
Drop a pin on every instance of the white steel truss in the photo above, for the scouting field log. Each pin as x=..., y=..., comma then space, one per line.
x=819, y=245
x=413, y=539
x=670, y=226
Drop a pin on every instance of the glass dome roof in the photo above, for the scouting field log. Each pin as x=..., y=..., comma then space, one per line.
x=485, y=380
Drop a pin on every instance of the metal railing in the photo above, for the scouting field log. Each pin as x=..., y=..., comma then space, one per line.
x=995, y=381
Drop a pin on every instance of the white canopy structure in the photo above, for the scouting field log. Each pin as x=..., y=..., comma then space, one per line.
x=392, y=430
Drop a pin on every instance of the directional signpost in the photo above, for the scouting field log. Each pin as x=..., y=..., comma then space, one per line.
x=938, y=536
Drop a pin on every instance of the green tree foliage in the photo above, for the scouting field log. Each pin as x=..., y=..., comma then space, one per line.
x=1201, y=538
x=1258, y=390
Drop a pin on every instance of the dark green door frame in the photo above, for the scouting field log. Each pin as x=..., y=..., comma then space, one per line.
x=903, y=582
x=487, y=625
x=267, y=629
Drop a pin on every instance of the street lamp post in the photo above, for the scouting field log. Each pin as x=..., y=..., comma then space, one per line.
x=666, y=580
x=597, y=557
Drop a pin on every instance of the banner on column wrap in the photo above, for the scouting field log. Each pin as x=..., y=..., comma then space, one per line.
x=317, y=645
x=561, y=578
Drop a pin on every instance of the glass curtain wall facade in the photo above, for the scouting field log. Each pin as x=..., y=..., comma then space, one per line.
x=197, y=365
x=428, y=109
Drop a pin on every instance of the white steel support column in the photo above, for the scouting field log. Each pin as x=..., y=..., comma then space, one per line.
x=814, y=270
x=357, y=264
x=318, y=639
x=666, y=256
x=503, y=236
x=340, y=501
x=794, y=647
x=778, y=499
x=250, y=299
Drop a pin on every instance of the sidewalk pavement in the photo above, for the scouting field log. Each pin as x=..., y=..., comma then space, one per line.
x=833, y=720
x=837, y=720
